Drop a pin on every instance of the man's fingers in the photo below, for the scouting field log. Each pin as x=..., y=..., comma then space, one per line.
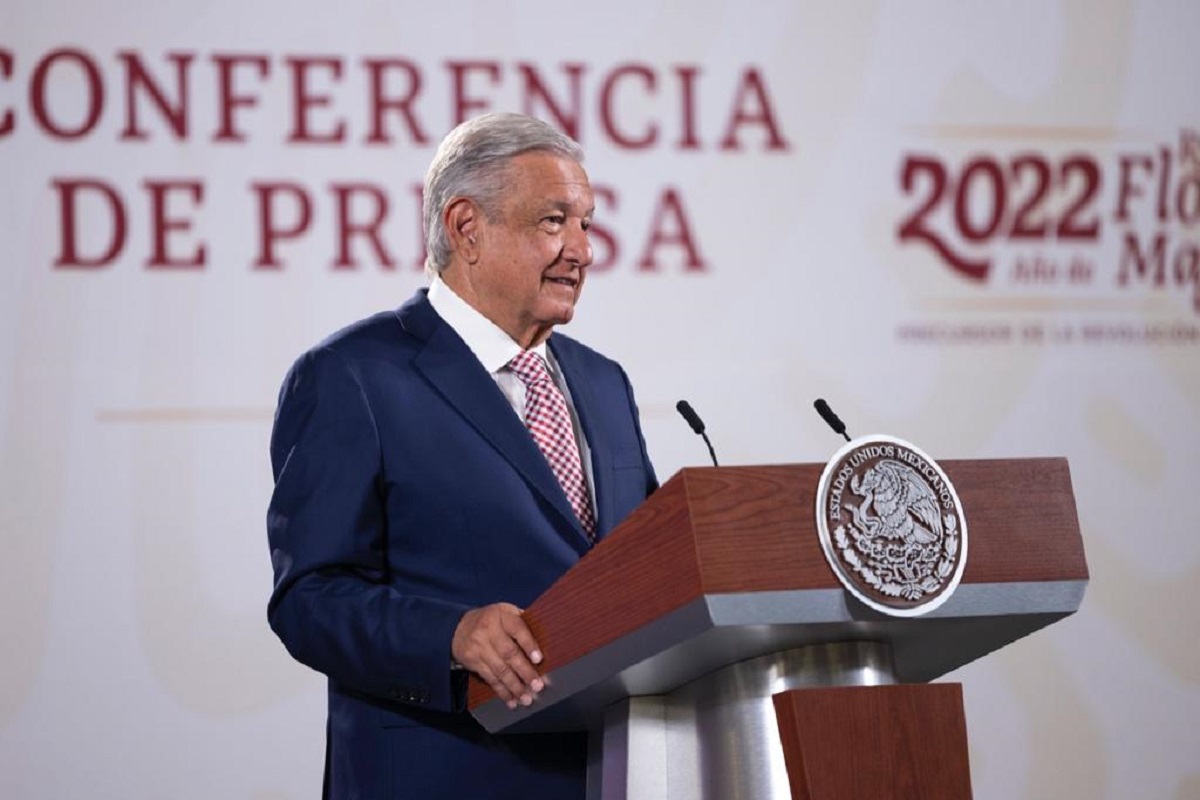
x=520, y=633
x=495, y=643
x=515, y=655
x=518, y=675
x=496, y=680
x=511, y=667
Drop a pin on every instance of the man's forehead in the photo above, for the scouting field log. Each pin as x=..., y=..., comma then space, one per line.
x=546, y=163
x=552, y=180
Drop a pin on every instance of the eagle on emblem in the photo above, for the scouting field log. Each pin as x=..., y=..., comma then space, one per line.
x=904, y=506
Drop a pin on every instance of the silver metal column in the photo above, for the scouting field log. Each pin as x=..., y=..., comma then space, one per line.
x=716, y=738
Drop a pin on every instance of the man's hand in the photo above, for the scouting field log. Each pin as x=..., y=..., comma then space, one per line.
x=495, y=643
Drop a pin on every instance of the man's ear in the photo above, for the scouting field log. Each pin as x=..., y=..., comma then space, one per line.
x=462, y=219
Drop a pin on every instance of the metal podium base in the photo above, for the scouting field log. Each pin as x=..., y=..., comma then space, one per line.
x=716, y=738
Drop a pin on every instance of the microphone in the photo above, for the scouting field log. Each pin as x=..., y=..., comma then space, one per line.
x=831, y=419
x=697, y=424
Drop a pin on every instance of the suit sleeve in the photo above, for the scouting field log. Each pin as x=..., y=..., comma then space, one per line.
x=332, y=605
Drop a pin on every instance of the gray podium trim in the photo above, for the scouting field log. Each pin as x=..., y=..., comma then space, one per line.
x=714, y=631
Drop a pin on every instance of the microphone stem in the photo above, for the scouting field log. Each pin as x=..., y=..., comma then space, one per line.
x=712, y=453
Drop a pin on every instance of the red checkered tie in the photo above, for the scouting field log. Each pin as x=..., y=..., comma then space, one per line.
x=549, y=421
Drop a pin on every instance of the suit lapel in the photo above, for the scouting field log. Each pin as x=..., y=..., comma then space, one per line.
x=584, y=399
x=450, y=366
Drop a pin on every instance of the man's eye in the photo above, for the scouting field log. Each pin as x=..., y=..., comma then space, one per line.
x=555, y=219
x=585, y=224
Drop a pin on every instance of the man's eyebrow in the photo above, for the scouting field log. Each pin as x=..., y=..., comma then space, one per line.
x=565, y=205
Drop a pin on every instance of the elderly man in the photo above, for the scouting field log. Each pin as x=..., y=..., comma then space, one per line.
x=437, y=467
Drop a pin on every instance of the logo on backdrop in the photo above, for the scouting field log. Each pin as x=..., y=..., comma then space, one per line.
x=891, y=526
x=1113, y=235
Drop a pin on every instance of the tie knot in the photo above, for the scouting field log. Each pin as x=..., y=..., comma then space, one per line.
x=529, y=367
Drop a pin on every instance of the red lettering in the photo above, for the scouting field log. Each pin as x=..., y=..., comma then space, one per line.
x=376, y=69
x=464, y=106
x=607, y=92
x=271, y=231
x=994, y=194
x=1187, y=199
x=670, y=206
x=1027, y=222
x=136, y=76
x=568, y=121
x=1187, y=270
x=228, y=99
x=8, y=120
x=605, y=257
x=347, y=228
x=1127, y=188
x=638, y=105
x=1143, y=265
x=1073, y=224
x=752, y=88
x=303, y=101
x=161, y=224
x=687, y=80
x=69, y=192
x=93, y=97
x=918, y=224
x=1164, y=181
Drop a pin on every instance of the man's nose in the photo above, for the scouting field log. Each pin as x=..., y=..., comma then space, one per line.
x=577, y=249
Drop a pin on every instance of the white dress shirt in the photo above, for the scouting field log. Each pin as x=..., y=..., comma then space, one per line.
x=494, y=348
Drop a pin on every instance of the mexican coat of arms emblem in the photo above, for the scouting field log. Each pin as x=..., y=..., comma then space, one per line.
x=891, y=526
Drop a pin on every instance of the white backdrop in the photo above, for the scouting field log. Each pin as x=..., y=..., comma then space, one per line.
x=772, y=162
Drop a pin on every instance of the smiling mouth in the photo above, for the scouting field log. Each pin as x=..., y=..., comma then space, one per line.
x=572, y=282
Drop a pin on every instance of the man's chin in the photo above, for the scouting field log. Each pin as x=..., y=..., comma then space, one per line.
x=561, y=319
x=559, y=313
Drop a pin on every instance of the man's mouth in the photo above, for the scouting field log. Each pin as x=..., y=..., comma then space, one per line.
x=564, y=281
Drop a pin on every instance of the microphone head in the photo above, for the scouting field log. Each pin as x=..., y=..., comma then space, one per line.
x=831, y=419
x=693, y=419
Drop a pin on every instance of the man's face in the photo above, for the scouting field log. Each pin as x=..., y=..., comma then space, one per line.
x=533, y=256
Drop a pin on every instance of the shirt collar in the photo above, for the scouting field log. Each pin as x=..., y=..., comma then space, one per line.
x=493, y=347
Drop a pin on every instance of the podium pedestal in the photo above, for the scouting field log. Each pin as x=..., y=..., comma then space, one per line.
x=718, y=736
x=885, y=743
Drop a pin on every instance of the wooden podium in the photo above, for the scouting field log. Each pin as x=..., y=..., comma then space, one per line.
x=712, y=653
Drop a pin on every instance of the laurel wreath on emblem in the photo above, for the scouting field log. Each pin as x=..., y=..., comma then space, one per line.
x=897, y=541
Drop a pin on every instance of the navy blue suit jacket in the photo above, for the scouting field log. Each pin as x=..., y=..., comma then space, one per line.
x=407, y=492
